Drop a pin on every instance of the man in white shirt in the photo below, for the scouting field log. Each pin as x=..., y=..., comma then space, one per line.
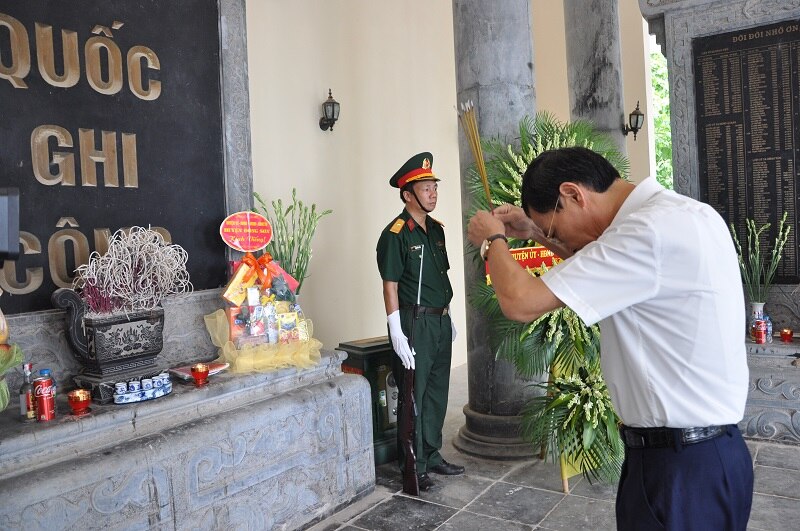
x=659, y=273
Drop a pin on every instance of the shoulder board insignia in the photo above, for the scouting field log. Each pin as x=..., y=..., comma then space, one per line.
x=398, y=224
x=437, y=221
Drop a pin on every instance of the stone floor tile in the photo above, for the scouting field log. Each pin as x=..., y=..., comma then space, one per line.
x=779, y=456
x=454, y=420
x=515, y=503
x=466, y=521
x=326, y=526
x=404, y=513
x=456, y=491
x=389, y=477
x=773, y=513
x=576, y=512
x=777, y=481
x=541, y=474
x=353, y=510
x=596, y=490
x=480, y=468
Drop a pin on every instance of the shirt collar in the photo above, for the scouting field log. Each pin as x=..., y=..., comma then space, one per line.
x=640, y=194
x=410, y=222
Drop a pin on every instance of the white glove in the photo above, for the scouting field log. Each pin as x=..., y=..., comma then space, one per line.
x=453, y=327
x=400, y=341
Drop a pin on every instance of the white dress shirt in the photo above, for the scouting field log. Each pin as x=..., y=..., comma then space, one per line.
x=663, y=282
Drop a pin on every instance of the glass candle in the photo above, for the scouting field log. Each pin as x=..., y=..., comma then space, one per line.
x=79, y=401
x=787, y=335
x=200, y=373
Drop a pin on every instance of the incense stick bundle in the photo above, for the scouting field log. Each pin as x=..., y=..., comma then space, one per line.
x=470, y=126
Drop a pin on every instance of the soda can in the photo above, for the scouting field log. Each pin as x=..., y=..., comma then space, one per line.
x=44, y=396
x=760, y=331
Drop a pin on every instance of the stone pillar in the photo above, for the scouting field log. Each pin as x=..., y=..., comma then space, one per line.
x=594, y=65
x=494, y=69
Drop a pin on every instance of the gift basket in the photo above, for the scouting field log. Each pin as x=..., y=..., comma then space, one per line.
x=262, y=326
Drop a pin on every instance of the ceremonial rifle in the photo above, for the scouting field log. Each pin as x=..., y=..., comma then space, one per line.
x=407, y=423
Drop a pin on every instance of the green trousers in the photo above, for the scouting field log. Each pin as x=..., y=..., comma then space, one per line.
x=433, y=344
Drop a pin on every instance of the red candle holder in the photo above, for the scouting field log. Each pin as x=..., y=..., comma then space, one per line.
x=787, y=335
x=79, y=401
x=200, y=374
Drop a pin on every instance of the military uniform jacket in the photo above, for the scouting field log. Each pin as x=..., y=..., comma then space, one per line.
x=399, y=249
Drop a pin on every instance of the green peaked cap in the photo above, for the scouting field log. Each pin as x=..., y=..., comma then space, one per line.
x=417, y=168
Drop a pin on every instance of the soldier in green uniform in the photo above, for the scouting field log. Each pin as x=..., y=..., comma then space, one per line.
x=411, y=235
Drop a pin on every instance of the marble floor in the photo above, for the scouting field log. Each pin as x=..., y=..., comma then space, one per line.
x=527, y=495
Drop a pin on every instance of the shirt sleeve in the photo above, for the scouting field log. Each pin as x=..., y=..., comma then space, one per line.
x=390, y=256
x=618, y=270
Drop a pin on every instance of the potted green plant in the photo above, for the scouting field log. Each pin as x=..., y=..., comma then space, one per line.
x=558, y=343
x=293, y=229
x=758, y=271
x=115, y=320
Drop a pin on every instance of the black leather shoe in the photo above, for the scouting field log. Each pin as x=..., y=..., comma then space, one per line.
x=446, y=469
x=425, y=482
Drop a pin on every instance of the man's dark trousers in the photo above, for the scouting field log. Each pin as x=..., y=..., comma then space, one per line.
x=703, y=486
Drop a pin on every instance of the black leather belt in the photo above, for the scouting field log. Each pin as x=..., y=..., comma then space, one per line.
x=667, y=437
x=426, y=309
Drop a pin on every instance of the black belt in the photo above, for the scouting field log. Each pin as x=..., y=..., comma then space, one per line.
x=667, y=437
x=426, y=309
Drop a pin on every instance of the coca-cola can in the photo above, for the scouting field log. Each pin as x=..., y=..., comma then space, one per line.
x=44, y=397
x=760, y=331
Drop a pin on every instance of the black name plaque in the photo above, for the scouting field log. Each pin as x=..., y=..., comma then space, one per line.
x=747, y=90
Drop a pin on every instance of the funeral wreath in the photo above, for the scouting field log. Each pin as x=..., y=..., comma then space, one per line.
x=573, y=417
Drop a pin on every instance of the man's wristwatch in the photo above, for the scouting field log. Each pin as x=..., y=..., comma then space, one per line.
x=487, y=242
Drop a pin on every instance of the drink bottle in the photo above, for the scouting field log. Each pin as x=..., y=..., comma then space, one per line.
x=46, y=373
x=27, y=408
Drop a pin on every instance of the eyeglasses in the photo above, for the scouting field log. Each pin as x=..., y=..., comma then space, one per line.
x=550, y=228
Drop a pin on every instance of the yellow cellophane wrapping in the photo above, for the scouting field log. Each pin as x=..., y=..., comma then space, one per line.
x=262, y=357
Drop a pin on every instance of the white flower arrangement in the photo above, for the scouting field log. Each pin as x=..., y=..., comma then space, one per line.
x=589, y=398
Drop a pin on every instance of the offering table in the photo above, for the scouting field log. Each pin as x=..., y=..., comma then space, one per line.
x=281, y=449
x=773, y=400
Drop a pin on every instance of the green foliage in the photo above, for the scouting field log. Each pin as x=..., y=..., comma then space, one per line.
x=575, y=418
x=505, y=163
x=661, y=117
x=293, y=228
x=757, y=275
x=558, y=339
x=536, y=346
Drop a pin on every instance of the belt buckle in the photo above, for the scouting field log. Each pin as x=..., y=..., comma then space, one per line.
x=694, y=435
x=690, y=435
x=444, y=311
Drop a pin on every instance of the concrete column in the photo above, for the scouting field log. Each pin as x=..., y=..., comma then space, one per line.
x=494, y=69
x=594, y=65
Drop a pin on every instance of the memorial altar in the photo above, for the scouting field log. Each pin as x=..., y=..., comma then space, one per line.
x=281, y=449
